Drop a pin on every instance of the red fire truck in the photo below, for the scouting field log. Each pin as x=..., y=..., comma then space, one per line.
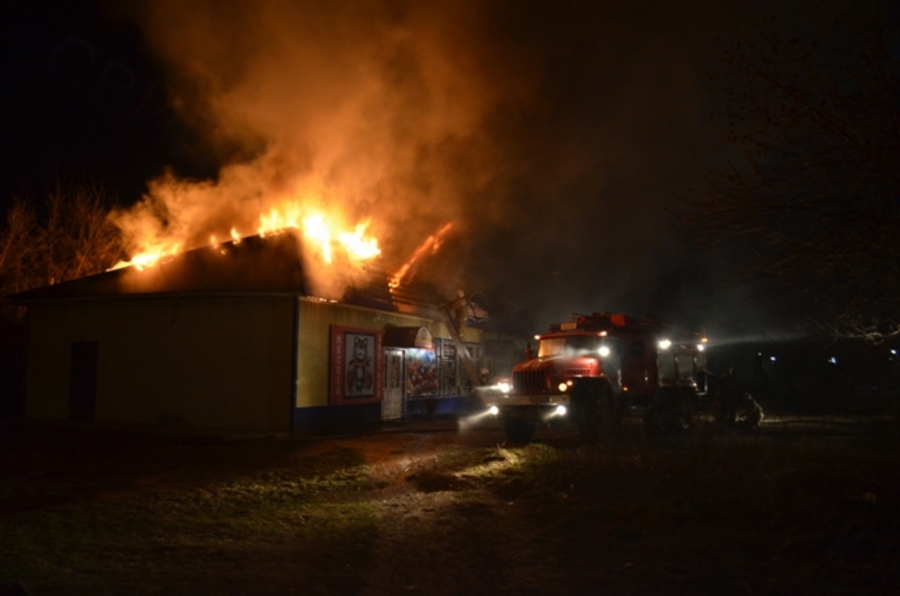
x=597, y=368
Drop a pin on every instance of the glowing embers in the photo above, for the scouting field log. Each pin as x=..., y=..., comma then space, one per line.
x=217, y=246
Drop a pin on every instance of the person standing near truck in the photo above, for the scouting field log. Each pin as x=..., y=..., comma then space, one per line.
x=751, y=413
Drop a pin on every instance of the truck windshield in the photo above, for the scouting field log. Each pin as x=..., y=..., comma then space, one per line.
x=572, y=345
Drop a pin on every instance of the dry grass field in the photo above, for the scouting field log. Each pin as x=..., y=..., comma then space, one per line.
x=802, y=506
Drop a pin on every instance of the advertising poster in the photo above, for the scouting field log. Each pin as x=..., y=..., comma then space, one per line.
x=357, y=366
x=421, y=373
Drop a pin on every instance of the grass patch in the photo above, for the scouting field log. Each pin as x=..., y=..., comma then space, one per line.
x=236, y=527
x=810, y=512
x=701, y=514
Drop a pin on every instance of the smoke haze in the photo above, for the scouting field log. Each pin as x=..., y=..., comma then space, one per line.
x=553, y=135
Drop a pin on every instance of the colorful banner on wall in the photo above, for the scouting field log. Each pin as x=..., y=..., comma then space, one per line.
x=421, y=373
x=357, y=366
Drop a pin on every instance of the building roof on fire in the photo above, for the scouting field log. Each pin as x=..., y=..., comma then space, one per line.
x=254, y=265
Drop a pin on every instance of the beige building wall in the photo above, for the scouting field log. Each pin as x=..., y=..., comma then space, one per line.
x=316, y=319
x=224, y=362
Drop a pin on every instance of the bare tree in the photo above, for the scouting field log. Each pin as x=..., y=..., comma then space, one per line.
x=17, y=248
x=810, y=211
x=67, y=237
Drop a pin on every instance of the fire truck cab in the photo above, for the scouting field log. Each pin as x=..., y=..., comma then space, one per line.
x=595, y=369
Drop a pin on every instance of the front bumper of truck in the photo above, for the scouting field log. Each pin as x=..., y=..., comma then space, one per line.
x=535, y=407
x=537, y=399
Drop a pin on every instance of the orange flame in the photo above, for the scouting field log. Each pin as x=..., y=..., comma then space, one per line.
x=315, y=227
x=150, y=257
x=432, y=243
x=358, y=245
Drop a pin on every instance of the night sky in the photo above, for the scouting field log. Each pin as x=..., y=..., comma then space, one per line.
x=554, y=135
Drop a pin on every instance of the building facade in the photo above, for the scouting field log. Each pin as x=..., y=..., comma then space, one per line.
x=210, y=342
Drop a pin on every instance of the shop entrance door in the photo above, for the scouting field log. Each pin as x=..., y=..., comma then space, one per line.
x=392, y=403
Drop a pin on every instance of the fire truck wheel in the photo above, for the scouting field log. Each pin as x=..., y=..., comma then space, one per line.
x=518, y=431
x=669, y=412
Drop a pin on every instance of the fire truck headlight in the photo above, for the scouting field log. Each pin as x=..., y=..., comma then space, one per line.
x=604, y=351
x=504, y=387
x=561, y=410
x=493, y=410
x=562, y=387
x=664, y=344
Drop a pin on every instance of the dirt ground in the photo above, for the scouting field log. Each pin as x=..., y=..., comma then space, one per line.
x=623, y=522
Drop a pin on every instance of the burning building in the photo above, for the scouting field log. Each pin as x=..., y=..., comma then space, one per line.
x=230, y=336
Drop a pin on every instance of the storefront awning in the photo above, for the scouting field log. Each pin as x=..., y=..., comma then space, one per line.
x=408, y=337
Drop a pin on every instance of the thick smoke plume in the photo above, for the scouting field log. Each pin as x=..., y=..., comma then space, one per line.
x=360, y=110
x=553, y=135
